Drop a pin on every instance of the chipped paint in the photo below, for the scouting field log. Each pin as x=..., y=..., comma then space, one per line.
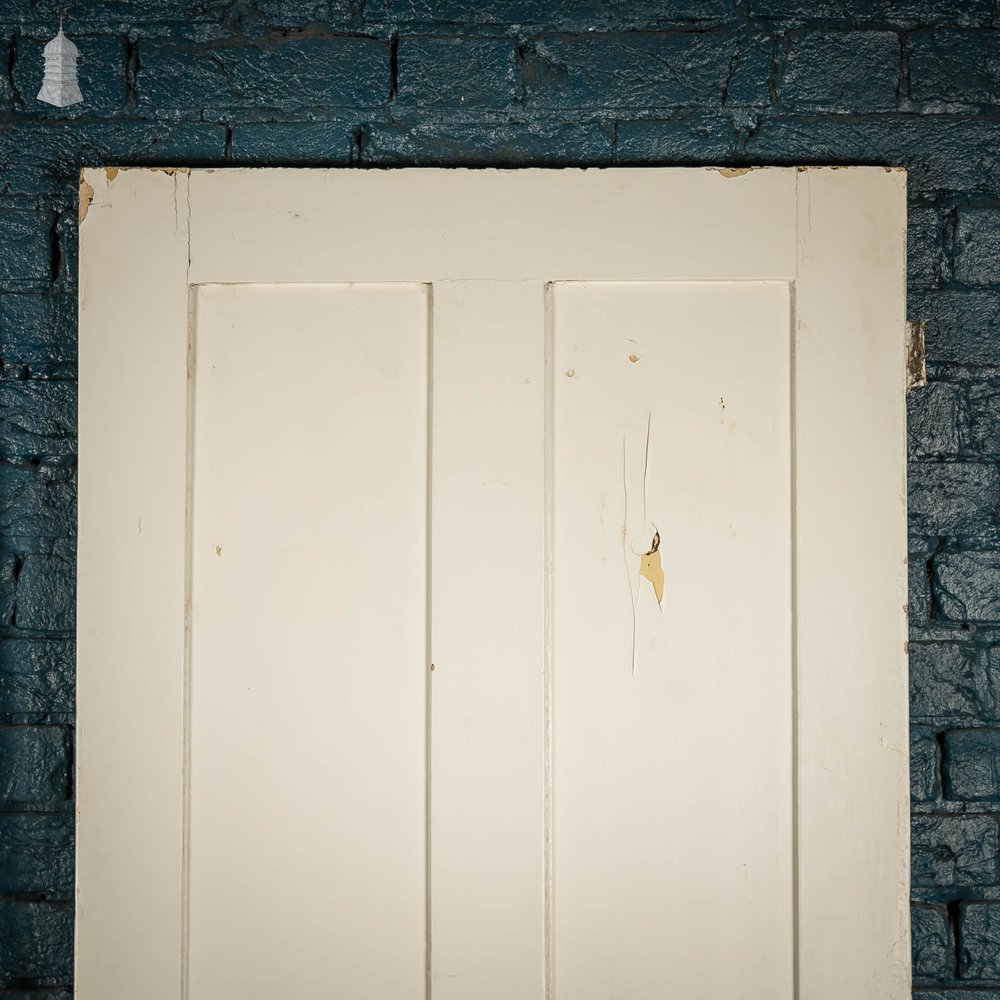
x=649, y=562
x=113, y=172
x=86, y=197
x=651, y=569
x=731, y=171
x=916, y=355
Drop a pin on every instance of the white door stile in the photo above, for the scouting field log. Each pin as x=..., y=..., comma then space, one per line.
x=131, y=586
x=850, y=490
x=503, y=278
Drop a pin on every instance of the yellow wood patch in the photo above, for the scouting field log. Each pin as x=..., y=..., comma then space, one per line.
x=650, y=568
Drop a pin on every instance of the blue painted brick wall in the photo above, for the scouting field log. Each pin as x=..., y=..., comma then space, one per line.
x=357, y=83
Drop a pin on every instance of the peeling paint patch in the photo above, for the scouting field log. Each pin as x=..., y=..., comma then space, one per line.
x=651, y=569
x=731, y=171
x=113, y=172
x=916, y=355
x=86, y=197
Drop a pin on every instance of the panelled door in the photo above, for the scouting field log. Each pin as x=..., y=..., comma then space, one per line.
x=492, y=585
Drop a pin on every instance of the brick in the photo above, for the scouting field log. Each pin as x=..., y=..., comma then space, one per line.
x=44, y=994
x=490, y=144
x=748, y=78
x=300, y=72
x=671, y=69
x=982, y=432
x=10, y=569
x=961, y=326
x=37, y=502
x=634, y=13
x=37, y=677
x=940, y=155
x=953, y=684
x=457, y=73
x=967, y=586
x=933, y=415
x=926, y=262
x=960, y=994
x=925, y=766
x=954, y=851
x=66, y=234
x=121, y=16
x=949, y=67
x=37, y=419
x=38, y=331
x=841, y=71
x=36, y=944
x=561, y=14
x=27, y=241
x=954, y=499
x=5, y=92
x=971, y=765
x=34, y=765
x=101, y=68
x=906, y=12
x=918, y=601
x=979, y=933
x=712, y=138
x=269, y=18
x=36, y=855
x=305, y=144
x=977, y=246
x=45, y=157
x=214, y=22
x=46, y=593
x=932, y=942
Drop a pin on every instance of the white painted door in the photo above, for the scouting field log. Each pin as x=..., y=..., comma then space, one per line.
x=464, y=564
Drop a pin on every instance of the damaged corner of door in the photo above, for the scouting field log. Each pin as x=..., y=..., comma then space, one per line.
x=86, y=197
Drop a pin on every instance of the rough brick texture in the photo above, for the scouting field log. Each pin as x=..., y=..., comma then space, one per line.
x=588, y=82
x=972, y=765
x=933, y=944
x=979, y=934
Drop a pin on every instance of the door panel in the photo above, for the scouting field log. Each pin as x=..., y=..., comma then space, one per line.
x=308, y=639
x=672, y=727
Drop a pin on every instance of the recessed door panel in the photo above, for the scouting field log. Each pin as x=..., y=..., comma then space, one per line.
x=671, y=646
x=308, y=641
